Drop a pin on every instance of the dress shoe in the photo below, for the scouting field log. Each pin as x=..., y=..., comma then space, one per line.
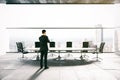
x=46, y=67
x=41, y=67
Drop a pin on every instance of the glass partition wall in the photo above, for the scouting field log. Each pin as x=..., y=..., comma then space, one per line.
x=61, y=35
x=108, y=38
x=117, y=40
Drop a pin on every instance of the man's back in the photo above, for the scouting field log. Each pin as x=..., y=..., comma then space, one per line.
x=43, y=42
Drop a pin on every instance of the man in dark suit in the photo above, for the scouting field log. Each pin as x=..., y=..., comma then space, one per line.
x=44, y=48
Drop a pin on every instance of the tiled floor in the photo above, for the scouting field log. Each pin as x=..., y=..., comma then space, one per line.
x=13, y=67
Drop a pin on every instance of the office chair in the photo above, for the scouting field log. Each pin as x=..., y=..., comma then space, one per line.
x=85, y=45
x=99, y=50
x=37, y=45
x=21, y=49
x=69, y=45
x=52, y=45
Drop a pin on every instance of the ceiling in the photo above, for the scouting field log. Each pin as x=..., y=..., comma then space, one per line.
x=63, y=1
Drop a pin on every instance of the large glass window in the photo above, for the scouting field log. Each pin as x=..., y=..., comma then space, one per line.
x=108, y=38
x=117, y=39
x=61, y=36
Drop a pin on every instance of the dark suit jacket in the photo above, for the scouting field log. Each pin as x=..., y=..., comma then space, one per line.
x=43, y=42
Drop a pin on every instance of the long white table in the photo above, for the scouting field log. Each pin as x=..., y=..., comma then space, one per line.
x=73, y=50
x=63, y=49
x=60, y=50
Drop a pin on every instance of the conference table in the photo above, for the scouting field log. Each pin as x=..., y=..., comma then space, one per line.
x=72, y=50
x=64, y=50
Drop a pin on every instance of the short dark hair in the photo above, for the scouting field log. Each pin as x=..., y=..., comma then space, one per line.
x=43, y=31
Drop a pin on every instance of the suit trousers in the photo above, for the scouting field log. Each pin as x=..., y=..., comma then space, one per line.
x=43, y=61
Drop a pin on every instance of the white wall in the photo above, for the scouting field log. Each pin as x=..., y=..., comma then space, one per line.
x=57, y=16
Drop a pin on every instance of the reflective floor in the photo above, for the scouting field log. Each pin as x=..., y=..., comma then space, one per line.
x=69, y=67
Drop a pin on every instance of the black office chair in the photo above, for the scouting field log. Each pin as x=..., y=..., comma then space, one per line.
x=21, y=49
x=99, y=50
x=52, y=45
x=37, y=45
x=68, y=45
x=85, y=45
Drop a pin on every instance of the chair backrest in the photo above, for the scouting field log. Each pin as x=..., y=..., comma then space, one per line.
x=101, y=47
x=68, y=44
x=37, y=44
x=52, y=44
x=85, y=44
x=19, y=46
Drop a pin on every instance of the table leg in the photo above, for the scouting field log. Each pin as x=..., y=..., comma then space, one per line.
x=81, y=56
x=59, y=57
x=37, y=58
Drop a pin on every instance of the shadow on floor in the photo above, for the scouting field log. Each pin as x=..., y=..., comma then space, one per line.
x=53, y=62
x=36, y=74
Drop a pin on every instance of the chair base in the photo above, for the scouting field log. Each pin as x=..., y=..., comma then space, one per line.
x=68, y=56
x=22, y=55
x=52, y=55
x=58, y=58
x=85, y=56
x=98, y=59
x=37, y=58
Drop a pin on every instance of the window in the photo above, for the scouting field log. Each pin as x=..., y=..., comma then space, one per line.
x=108, y=38
x=61, y=36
